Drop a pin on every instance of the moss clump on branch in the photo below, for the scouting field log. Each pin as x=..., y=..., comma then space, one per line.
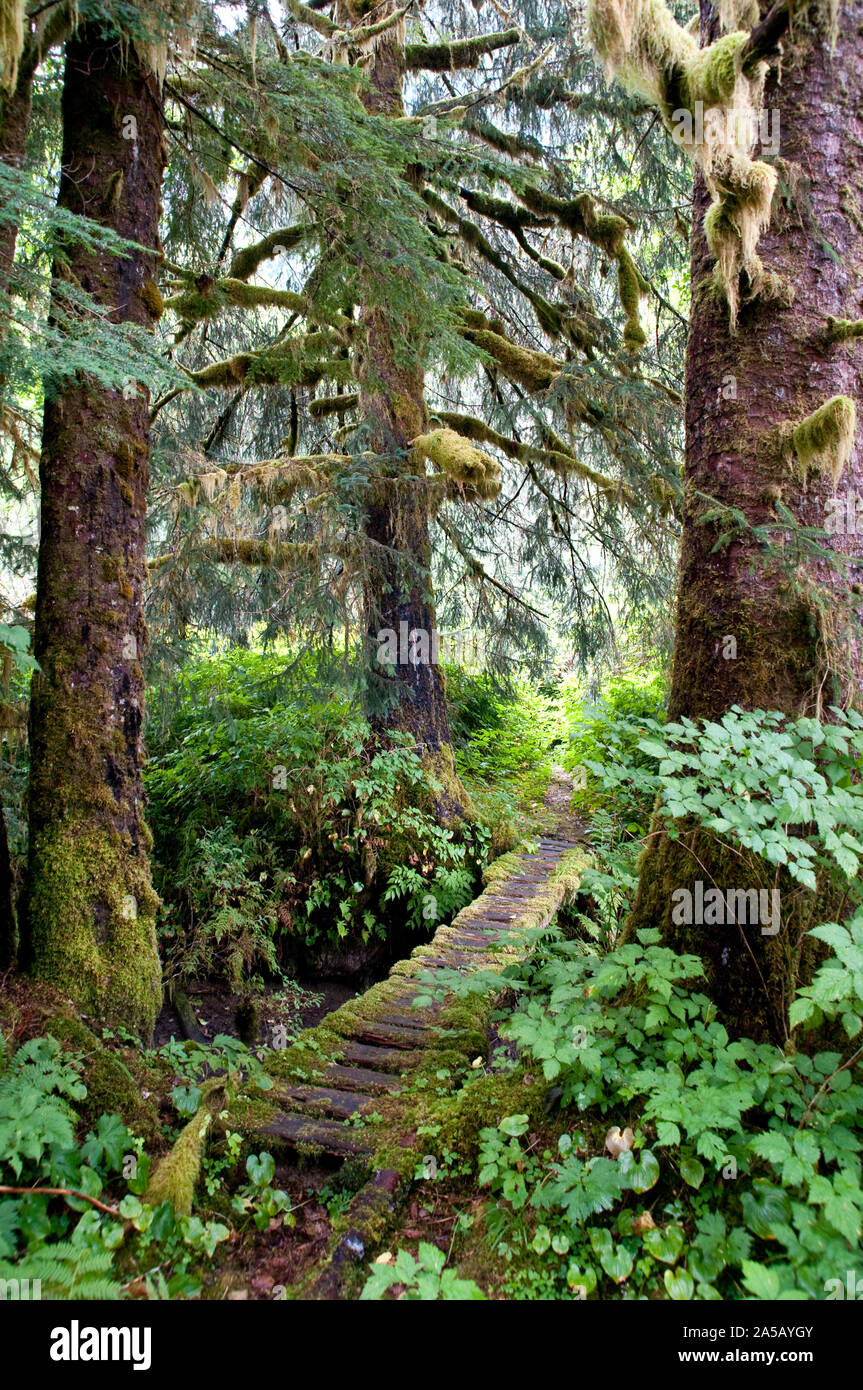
x=823, y=441
x=535, y=371
x=641, y=43
x=292, y=363
x=579, y=215
x=334, y=405
x=461, y=53
x=248, y=258
x=208, y=299
x=279, y=555
x=557, y=456
x=471, y=468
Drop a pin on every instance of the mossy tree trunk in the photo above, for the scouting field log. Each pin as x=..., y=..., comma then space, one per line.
x=771, y=634
x=399, y=588
x=91, y=907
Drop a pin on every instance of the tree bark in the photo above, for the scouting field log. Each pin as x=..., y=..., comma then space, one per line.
x=90, y=926
x=794, y=621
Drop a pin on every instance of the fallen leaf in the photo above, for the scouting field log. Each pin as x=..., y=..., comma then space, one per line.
x=618, y=1143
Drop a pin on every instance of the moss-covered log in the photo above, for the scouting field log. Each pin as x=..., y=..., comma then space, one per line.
x=91, y=907
x=748, y=397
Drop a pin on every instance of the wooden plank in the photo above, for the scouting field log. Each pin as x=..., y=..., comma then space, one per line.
x=406, y=1038
x=412, y=1020
x=367, y=1055
x=329, y=1135
x=362, y=1078
x=320, y=1100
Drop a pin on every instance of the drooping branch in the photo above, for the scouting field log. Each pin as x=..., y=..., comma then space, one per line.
x=479, y=573
x=560, y=460
x=461, y=53
x=554, y=319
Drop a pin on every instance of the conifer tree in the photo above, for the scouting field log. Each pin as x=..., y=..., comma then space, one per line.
x=91, y=908
x=406, y=398
x=767, y=617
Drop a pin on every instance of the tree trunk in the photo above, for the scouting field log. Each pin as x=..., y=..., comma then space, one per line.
x=781, y=634
x=91, y=907
x=398, y=589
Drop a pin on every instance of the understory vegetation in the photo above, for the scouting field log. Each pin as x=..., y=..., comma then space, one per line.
x=431, y=653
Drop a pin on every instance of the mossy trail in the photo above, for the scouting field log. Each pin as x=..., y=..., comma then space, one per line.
x=381, y=1035
x=368, y=1058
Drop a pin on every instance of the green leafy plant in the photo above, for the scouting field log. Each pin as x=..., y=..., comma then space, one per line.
x=424, y=1278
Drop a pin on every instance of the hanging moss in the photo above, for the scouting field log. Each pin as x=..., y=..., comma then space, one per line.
x=11, y=41
x=629, y=284
x=579, y=215
x=641, y=43
x=824, y=440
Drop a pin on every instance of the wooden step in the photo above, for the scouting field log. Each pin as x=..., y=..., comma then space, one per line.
x=334, y=1138
x=411, y=1020
x=359, y=1054
x=406, y=1038
x=320, y=1100
x=362, y=1079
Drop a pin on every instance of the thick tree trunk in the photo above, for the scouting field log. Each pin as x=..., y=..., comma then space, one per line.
x=769, y=635
x=91, y=907
x=399, y=588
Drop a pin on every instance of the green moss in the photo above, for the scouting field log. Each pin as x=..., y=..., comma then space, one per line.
x=111, y=1088
x=149, y=294
x=824, y=440
x=92, y=923
x=534, y=370
x=176, y=1176
x=841, y=330
x=711, y=75
x=630, y=285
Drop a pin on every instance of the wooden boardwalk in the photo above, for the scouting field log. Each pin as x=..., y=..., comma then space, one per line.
x=382, y=1037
